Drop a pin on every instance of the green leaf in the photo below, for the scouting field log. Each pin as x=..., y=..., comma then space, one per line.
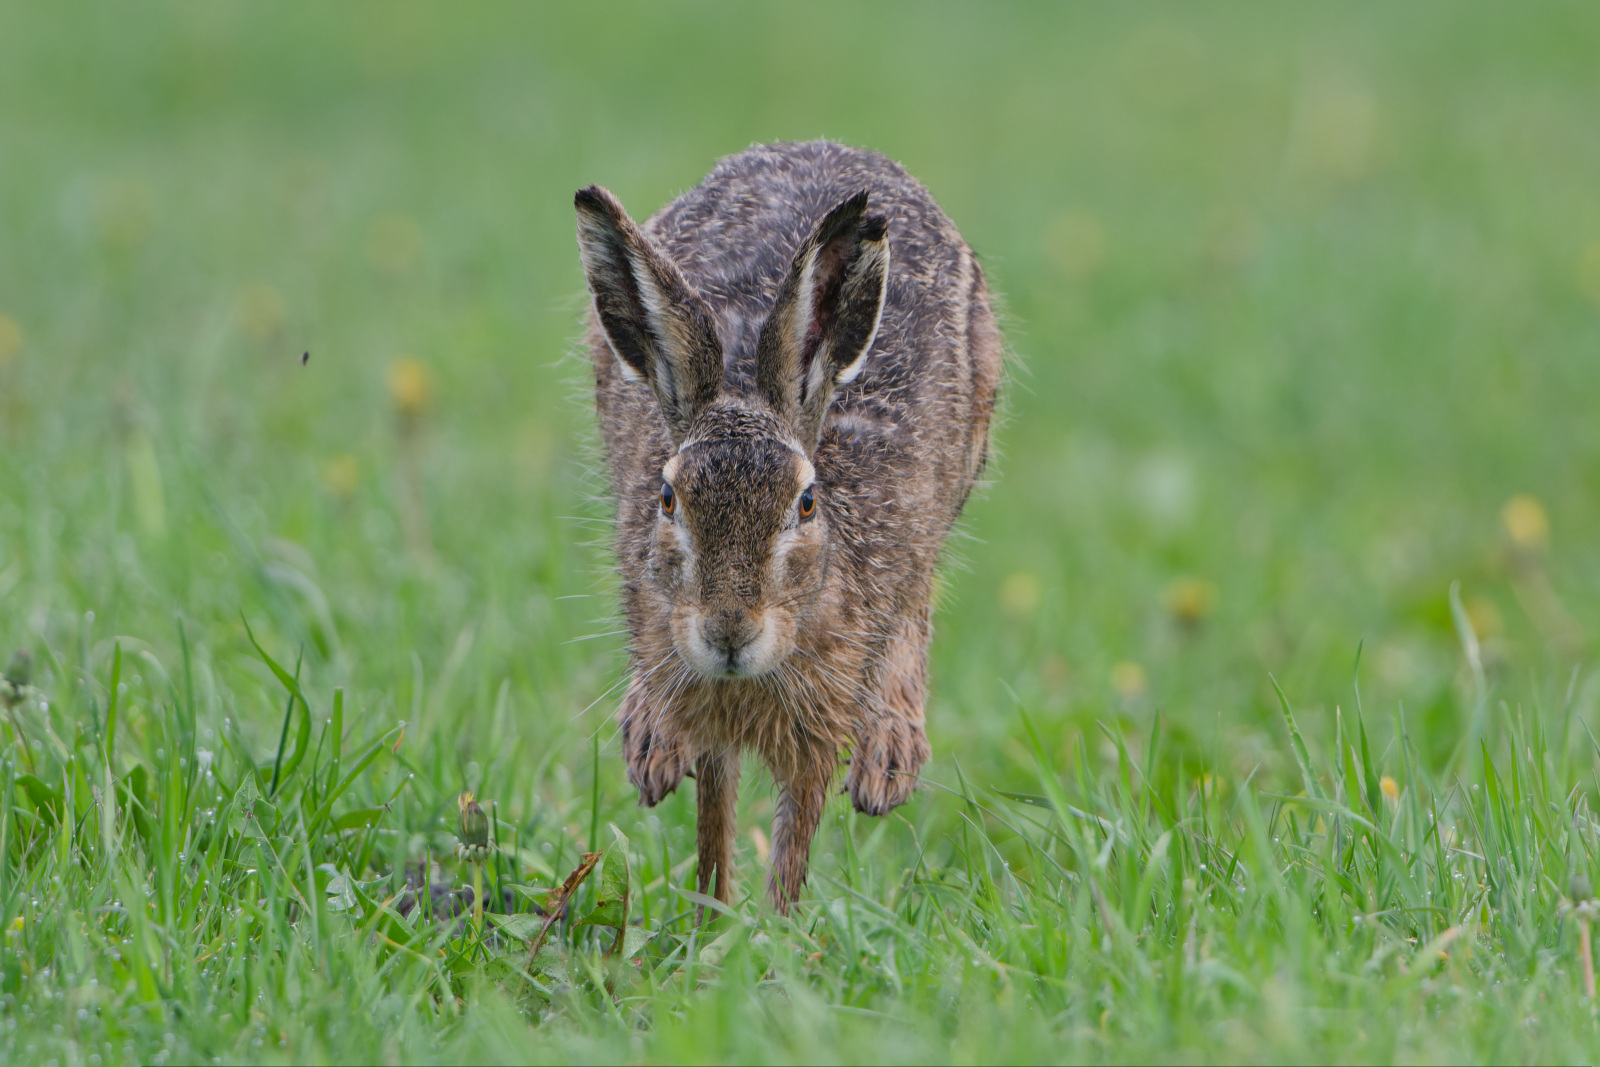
x=611, y=906
x=253, y=816
x=706, y=902
x=302, y=744
x=341, y=893
x=539, y=894
x=359, y=819
x=134, y=789
x=634, y=939
x=378, y=746
x=1297, y=743
x=550, y=962
x=713, y=954
x=49, y=801
x=521, y=927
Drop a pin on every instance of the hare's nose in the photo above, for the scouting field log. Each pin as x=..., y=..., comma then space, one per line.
x=731, y=629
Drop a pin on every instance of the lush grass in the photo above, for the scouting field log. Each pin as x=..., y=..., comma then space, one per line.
x=1301, y=301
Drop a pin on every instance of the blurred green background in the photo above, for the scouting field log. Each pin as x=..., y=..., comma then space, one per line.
x=1304, y=305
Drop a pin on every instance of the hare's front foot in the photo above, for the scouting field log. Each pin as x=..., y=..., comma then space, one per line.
x=657, y=757
x=883, y=768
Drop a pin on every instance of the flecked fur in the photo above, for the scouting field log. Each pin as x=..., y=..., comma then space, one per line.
x=696, y=386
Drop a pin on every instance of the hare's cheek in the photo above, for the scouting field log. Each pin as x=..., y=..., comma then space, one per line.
x=669, y=566
x=802, y=565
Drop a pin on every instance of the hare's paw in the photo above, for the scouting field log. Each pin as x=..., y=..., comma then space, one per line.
x=657, y=757
x=657, y=761
x=883, y=768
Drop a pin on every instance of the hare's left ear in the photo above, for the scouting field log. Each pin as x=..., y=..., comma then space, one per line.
x=821, y=329
x=656, y=324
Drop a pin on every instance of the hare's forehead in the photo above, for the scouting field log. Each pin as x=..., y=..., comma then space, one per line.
x=740, y=471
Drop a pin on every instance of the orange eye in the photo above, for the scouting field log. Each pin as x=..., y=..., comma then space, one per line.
x=669, y=499
x=808, y=504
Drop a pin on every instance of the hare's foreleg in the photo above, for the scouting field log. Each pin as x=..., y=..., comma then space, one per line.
x=656, y=754
x=891, y=743
x=800, y=804
x=716, y=779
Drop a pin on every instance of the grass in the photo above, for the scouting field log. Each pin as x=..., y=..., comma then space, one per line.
x=1305, y=305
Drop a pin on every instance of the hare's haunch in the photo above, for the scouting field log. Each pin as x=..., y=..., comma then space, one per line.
x=795, y=366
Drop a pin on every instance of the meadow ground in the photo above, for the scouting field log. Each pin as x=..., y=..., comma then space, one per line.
x=1306, y=307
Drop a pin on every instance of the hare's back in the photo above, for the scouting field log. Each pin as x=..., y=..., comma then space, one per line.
x=925, y=393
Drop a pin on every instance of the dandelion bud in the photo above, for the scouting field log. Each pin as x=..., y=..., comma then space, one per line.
x=1579, y=888
x=474, y=831
x=19, y=672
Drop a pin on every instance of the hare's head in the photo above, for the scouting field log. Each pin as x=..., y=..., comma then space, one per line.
x=741, y=534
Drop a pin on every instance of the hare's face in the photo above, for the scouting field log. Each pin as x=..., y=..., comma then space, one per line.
x=740, y=552
x=740, y=549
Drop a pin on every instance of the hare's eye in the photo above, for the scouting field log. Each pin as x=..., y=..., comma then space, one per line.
x=669, y=500
x=808, y=503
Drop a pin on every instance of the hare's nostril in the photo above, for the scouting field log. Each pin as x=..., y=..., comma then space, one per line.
x=733, y=631
x=728, y=642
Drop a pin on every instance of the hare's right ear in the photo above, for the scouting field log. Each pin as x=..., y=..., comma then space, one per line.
x=658, y=327
x=826, y=317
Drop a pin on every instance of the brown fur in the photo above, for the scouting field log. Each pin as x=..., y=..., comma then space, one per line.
x=735, y=360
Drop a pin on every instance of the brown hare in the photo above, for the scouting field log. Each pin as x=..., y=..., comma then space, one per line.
x=795, y=366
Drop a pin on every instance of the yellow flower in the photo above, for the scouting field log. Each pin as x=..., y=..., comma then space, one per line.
x=124, y=212
x=1333, y=134
x=10, y=339
x=259, y=309
x=1076, y=243
x=1390, y=787
x=394, y=244
x=341, y=476
x=1589, y=271
x=1526, y=523
x=1019, y=593
x=1129, y=680
x=1190, y=600
x=409, y=385
x=1485, y=617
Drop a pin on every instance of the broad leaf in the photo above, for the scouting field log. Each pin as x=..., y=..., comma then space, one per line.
x=253, y=816
x=611, y=905
x=521, y=927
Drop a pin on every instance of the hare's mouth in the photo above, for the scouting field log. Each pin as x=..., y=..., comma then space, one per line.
x=729, y=644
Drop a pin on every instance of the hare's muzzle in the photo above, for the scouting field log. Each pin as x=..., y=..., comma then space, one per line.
x=728, y=642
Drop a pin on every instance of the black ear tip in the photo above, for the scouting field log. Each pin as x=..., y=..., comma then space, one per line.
x=843, y=218
x=598, y=200
x=873, y=227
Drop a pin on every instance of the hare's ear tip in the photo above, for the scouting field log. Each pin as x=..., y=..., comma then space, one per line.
x=852, y=207
x=596, y=199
